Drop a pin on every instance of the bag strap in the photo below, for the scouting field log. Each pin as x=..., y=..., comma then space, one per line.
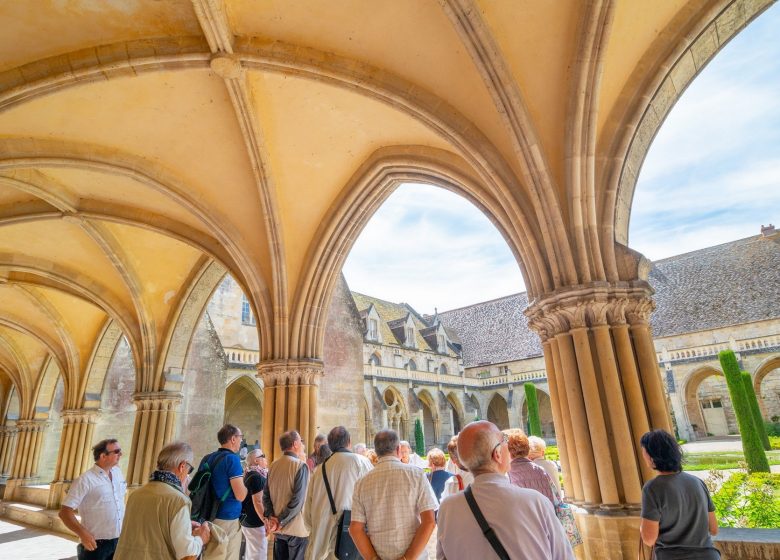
x=487, y=531
x=460, y=482
x=327, y=487
x=212, y=466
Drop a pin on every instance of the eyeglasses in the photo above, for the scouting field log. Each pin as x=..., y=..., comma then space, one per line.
x=190, y=468
x=261, y=456
x=504, y=439
x=114, y=452
x=239, y=436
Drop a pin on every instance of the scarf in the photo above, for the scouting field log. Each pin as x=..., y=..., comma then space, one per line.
x=263, y=471
x=168, y=478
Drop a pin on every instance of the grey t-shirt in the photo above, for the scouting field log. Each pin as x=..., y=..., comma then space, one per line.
x=680, y=503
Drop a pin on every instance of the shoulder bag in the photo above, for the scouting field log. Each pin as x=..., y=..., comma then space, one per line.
x=490, y=535
x=345, y=547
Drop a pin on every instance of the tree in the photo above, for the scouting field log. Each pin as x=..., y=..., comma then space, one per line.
x=755, y=456
x=534, y=424
x=419, y=438
x=758, y=420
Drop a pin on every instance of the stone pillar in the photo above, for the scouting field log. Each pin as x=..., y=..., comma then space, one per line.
x=155, y=420
x=7, y=448
x=289, y=400
x=599, y=358
x=24, y=467
x=75, y=454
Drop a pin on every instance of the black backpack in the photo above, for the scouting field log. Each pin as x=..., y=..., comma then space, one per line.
x=205, y=502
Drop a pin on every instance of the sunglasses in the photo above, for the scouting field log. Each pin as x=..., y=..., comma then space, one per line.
x=190, y=468
x=114, y=452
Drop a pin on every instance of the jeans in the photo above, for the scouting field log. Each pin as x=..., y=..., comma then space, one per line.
x=104, y=551
x=290, y=548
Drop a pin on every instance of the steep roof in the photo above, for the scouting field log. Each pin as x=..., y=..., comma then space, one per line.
x=494, y=331
x=729, y=284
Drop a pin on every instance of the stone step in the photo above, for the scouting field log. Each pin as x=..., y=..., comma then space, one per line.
x=36, y=516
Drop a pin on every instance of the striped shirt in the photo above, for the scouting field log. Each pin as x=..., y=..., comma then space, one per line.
x=526, y=474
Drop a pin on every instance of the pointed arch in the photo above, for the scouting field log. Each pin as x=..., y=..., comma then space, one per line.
x=498, y=412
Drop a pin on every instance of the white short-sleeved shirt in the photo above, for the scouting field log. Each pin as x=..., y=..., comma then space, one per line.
x=389, y=500
x=100, y=501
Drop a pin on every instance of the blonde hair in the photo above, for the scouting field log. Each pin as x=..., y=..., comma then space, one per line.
x=518, y=443
x=436, y=457
x=537, y=445
x=372, y=456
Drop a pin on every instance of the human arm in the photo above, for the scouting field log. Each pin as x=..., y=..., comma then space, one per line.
x=186, y=540
x=297, y=498
x=648, y=530
x=68, y=516
x=357, y=531
x=421, y=536
x=712, y=520
x=237, y=485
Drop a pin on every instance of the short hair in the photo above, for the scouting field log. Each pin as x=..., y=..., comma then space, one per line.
x=663, y=450
x=372, y=456
x=404, y=443
x=518, y=443
x=452, y=446
x=254, y=453
x=287, y=439
x=322, y=453
x=436, y=457
x=359, y=447
x=386, y=442
x=173, y=455
x=338, y=438
x=537, y=444
x=226, y=432
x=320, y=438
x=102, y=447
x=481, y=450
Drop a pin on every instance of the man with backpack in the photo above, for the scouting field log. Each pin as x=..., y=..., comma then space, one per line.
x=227, y=483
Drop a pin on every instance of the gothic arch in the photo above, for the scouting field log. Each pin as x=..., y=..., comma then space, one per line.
x=99, y=362
x=458, y=415
x=397, y=411
x=431, y=421
x=691, y=385
x=244, y=406
x=498, y=412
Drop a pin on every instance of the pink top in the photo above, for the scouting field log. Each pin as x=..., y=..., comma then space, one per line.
x=526, y=474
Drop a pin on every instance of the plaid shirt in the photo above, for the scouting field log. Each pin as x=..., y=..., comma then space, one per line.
x=389, y=501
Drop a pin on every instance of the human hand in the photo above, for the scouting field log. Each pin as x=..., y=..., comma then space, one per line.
x=273, y=524
x=87, y=540
x=204, y=532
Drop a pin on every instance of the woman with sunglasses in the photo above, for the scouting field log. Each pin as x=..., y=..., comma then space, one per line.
x=252, y=526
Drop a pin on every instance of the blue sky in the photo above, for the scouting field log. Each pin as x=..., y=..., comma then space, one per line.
x=712, y=175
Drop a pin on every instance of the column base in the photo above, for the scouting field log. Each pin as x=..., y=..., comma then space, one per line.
x=57, y=492
x=608, y=537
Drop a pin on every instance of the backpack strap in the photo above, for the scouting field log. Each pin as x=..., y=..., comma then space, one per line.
x=327, y=488
x=212, y=466
x=490, y=535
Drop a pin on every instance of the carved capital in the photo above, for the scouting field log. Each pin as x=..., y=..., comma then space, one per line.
x=80, y=416
x=290, y=372
x=157, y=400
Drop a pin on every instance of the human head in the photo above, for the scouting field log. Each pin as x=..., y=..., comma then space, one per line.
x=661, y=451
x=482, y=448
x=360, y=449
x=338, y=438
x=230, y=437
x=319, y=439
x=256, y=458
x=322, y=453
x=386, y=443
x=372, y=456
x=176, y=458
x=107, y=453
x=452, y=449
x=436, y=459
x=291, y=441
x=242, y=453
x=406, y=450
x=538, y=447
x=518, y=443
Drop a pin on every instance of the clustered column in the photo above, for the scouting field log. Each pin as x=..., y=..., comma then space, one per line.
x=7, y=448
x=605, y=389
x=74, y=457
x=289, y=400
x=155, y=420
x=27, y=453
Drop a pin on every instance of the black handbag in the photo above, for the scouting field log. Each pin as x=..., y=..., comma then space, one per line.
x=345, y=546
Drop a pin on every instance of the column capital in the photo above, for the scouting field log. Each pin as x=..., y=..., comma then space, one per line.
x=290, y=372
x=80, y=415
x=592, y=305
x=157, y=400
x=34, y=425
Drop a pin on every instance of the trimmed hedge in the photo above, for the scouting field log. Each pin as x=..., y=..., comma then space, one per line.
x=419, y=438
x=751, y=440
x=534, y=423
x=758, y=420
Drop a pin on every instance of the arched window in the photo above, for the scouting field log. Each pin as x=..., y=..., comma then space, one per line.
x=412, y=365
x=443, y=369
x=374, y=360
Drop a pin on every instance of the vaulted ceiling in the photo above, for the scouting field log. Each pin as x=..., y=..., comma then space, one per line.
x=140, y=140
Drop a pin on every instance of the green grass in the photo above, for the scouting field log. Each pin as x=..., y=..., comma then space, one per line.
x=721, y=460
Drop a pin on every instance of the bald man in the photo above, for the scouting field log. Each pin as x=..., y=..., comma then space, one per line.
x=523, y=520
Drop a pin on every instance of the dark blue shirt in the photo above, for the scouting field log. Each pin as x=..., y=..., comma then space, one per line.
x=229, y=467
x=437, y=480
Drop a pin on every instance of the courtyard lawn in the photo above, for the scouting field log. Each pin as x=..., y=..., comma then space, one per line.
x=722, y=460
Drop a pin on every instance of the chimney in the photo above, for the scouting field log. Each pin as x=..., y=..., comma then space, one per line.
x=768, y=231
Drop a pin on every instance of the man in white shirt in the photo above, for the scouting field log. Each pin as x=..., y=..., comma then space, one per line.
x=523, y=520
x=99, y=496
x=410, y=457
x=393, y=506
x=343, y=469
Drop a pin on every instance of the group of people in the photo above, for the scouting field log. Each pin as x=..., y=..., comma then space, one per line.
x=496, y=497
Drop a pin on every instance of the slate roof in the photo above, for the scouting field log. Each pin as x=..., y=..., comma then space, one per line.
x=729, y=284
x=493, y=332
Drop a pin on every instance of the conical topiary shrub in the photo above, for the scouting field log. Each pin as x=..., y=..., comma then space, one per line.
x=747, y=382
x=419, y=438
x=751, y=441
x=534, y=423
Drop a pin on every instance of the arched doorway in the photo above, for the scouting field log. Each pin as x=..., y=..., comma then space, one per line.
x=430, y=419
x=498, y=412
x=244, y=408
x=766, y=382
x=708, y=403
x=456, y=411
x=397, y=415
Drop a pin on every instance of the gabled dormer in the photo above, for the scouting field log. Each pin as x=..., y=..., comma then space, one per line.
x=404, y=331
x=436, y=337
x=373, y=320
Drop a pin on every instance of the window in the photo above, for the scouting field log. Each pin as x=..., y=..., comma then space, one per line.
x=373, y=329
x=412, y=365
x=410, y=337
x=443, y=370
x=441, y=343
x=247, y=317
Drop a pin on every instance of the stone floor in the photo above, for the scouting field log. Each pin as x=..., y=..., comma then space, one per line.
x=19, y=542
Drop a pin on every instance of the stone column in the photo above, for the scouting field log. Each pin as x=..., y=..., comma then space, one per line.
x=7, y=448
x=289, y=400
x=75, y=454
x=24, y=466
x=155, y=419
x=598, y=349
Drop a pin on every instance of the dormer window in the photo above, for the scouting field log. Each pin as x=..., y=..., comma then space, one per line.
x=373, y=329
x=410, y=340
x=441, y=342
